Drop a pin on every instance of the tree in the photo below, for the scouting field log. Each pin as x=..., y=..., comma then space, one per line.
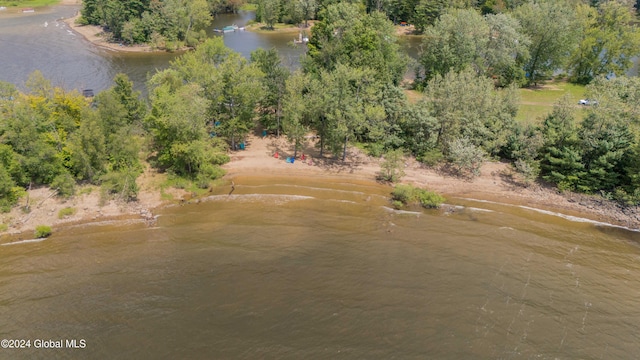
x=274, y=83
x=308, y=10
x=349, y=105
x=608, y=42
x=268, y=12
x=130, y=99
x=346, y=35
x=177, y=125
x=561, y=161
x=294, y=103
x=551, y=27
x=427, y=12
x=490, y=45
x=465, y=157
x=468, y=106
x=88, y=149
x=392, y=168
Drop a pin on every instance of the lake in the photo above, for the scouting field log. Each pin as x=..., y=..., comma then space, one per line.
x=290, y=268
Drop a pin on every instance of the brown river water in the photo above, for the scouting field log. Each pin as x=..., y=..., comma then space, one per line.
x=289, y=268
x=305, y=268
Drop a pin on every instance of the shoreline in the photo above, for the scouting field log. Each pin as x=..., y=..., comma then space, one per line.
x=93, y=34
x=493, y=186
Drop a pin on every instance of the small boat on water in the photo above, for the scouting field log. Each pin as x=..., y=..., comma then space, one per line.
x=2, y=8
x=230, y=28
x=28, y=10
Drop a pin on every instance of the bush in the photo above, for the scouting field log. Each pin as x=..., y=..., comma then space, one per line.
x=121, y=183
x=529, y=170
x=403, y=193
x=430, y=199
x=42, y=231
x=392, y=168
x=4, y=227
x=466, y=157
x=431, y=157
x=64, y=184
x=68, y=211
x=407, y=195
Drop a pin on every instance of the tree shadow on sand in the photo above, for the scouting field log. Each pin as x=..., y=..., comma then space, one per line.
x=309, y=155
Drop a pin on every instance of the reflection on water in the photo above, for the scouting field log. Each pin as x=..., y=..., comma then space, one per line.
x=291, y=269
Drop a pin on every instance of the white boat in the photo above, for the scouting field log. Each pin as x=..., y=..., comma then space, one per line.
x=230, y=28
x=301, y=39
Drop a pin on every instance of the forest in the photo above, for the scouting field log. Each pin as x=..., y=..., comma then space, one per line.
x=351, y=89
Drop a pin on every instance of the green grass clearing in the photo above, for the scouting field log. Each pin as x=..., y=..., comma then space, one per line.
x=249, y=7
x=536, y=103
x=28, y=3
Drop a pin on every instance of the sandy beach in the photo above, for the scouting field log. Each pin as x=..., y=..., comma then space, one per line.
x=494, y=184
x=95, y=35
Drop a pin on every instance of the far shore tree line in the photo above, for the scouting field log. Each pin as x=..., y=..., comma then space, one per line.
x=349, y=90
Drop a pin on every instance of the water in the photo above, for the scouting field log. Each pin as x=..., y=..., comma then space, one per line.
x=294, y=268
x=42, y=41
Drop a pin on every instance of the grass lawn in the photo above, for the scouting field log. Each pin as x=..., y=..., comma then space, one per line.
x=28, y=3
x=536, y=103
x=249, y=7
x=279, y=28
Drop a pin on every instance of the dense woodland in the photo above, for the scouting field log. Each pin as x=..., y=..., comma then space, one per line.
x=350, y=89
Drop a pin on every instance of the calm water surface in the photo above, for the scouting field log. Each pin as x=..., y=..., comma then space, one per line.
x=42, y=41
x=293, y=269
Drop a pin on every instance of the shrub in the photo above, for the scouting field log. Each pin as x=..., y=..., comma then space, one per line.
x=42, y=231
x=429, y=199
x=392, y=168
x=64, y=184
x=403, y=193
x=68, y=211
x=407, y=194
x=466, y=157
x=529, y=170
x=431, y=157
x=4, y=227
x=121, y=183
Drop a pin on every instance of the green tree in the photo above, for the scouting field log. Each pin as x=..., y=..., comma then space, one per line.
x=177, y=125
x=308, y=9
x=465, y=157
x=490, y=45
x=274, y=83
x=468, y=106
x=88, y=149
x=561, y=159
x=427, y=12
x=392, y=168
x=608, y=42
x=268, y=12
x=550, y=25
x=296, y=114
x=346, y=35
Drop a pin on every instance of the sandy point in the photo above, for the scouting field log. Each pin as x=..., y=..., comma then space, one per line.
x=96, y=35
